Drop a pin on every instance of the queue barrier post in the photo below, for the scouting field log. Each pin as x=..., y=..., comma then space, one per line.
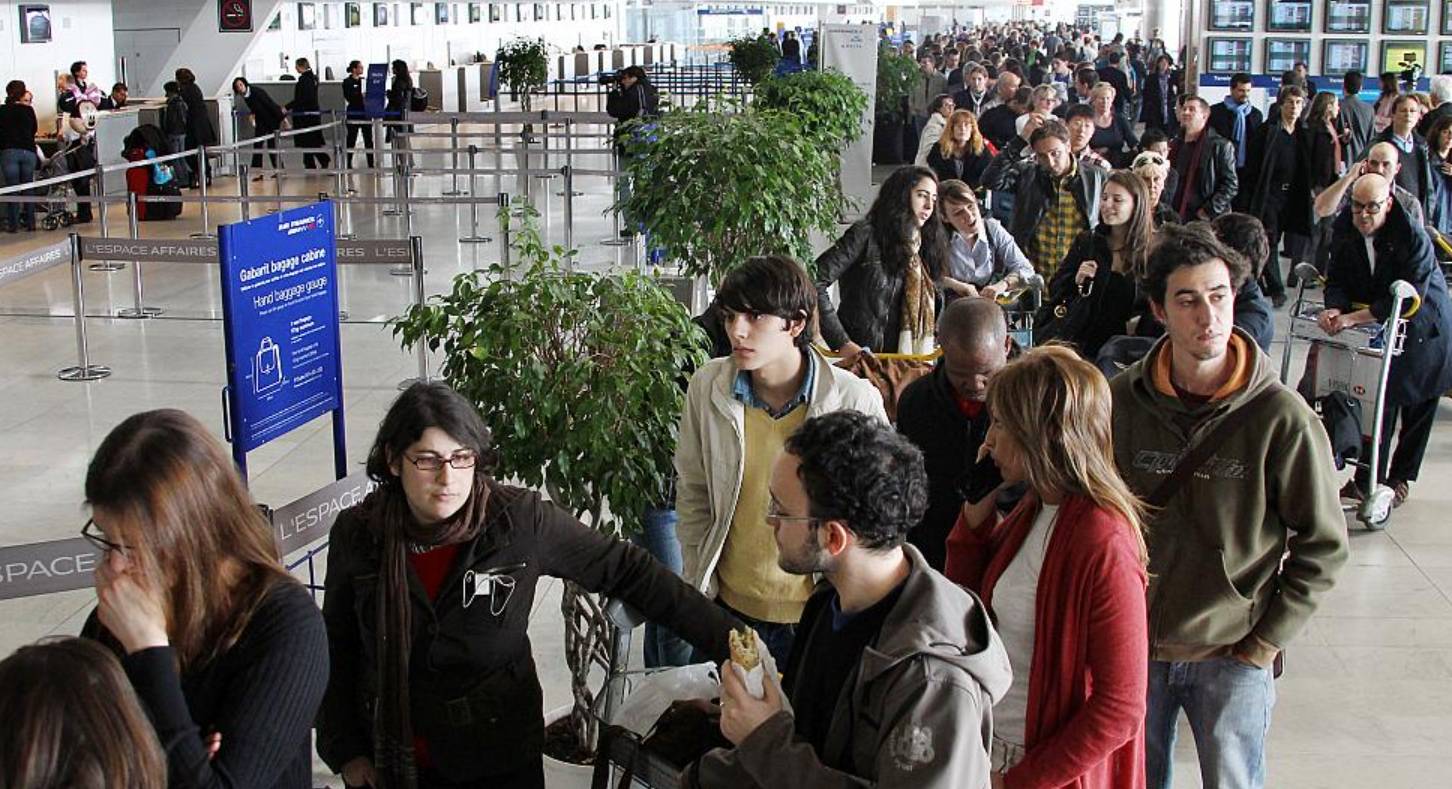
x=84, y=370
x=404, y=181
x=416, y=269
x=474, y=237
x=504, y=231
x=98, y=190
x=377, y=153
x=206, y=231
x=138, y=310
x=617, y=239
x=569, y=197
x=570, y=149
x=244, y=189
x=400, y=208
x=454, y=190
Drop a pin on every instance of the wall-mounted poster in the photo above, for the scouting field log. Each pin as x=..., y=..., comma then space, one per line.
x=307, y=16
x=380, y=15
x=1407, y=58
x=352, y=15
x=1405, y=17
x=1288, y=16
x=1238, y=15
x=1447, y=17
x=1444, y=57
x=1282, y=54
x=441, y=13
x=495, y=14
x=476, y=13
x=607, y=10
x=233, y=16
x=1339, y=56
x=415, y=13
x=539, y=12
x=1228, y=55
x=1348, y=16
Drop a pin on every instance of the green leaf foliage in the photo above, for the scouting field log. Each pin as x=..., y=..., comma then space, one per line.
x=754, y=57
x=578, y=375
x=828, y=104
x=896, y=75
x=523, y=64
x=714, y=189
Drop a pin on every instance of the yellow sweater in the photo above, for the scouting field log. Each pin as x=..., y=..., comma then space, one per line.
x=749, y=578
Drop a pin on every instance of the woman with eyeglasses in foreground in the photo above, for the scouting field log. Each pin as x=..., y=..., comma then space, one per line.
x=72, y=721
x=431, y=580
x=226, y=650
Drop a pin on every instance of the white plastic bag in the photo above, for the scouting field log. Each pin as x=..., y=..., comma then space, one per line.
x=654, y=693
x=755, y=678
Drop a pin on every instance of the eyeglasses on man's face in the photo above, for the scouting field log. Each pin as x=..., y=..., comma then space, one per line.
x=775, y=517
x=1373, y=207
x=431, y=462
x=97, y=538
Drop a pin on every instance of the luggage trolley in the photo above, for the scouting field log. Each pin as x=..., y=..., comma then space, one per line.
x=1019, y=306
x=1357, y=363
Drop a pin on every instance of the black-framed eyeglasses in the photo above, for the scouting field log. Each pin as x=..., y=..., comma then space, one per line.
x=458, y=460
x=98, y=540
x=1374, y=207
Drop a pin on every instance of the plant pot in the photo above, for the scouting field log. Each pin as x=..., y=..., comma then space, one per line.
x=887, y=137
x=564, y=775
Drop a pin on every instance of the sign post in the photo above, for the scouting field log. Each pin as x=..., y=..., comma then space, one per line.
x=280, y=313
x=852, y=50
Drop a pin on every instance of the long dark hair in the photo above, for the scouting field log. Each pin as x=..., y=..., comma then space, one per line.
x=400, y=70
x=386, y=513
x=893, y=223
x=74, y=720
x=14, y=91
x=175, y=495
x=1141, y=225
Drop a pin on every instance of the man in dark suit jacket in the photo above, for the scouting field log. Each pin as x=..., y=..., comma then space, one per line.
x=1223, y=119
x=1115, y=76
x=1357, y=117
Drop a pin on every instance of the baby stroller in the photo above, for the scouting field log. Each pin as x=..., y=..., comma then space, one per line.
x=56, y=209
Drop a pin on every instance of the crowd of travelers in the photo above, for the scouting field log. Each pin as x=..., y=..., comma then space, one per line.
x=1018, y=572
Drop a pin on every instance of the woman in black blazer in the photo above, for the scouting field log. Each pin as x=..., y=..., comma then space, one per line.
x=1161, y=94
x=267, y=117
x=304, y=109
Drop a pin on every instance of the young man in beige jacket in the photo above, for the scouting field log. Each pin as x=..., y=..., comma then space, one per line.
x=739, y=412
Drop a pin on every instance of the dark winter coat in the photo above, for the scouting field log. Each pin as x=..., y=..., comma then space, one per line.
x=871, y=288
x=1032, y=187
x=1222, y=120
x=1286, y=206
x=304, y=108
x=1419, y=163
x=474, y=691
x=968, y=168
x=1150, y=110
x=1423, y=370
x=266, y=114
x=1087, y=322
x=1217, y=183
x=199, y=124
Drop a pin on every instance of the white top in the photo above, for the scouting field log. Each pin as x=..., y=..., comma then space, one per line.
x=1370, y=253
x=1014, y=598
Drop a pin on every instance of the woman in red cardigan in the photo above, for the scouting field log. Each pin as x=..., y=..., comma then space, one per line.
x=1064, y=576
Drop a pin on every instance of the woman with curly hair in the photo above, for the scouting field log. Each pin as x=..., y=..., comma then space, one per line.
x=961, y=153
x=886, y=267
x=1064, y=577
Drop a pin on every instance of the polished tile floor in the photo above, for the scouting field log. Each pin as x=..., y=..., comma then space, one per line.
x=1367, y=694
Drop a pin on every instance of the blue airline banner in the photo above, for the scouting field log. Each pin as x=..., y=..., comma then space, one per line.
x=375, y=90
x=280, y=305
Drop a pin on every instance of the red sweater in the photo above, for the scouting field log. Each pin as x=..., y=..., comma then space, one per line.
x=1089, y=670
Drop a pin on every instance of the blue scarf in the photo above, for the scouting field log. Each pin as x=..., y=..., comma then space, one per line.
x=1242, y=112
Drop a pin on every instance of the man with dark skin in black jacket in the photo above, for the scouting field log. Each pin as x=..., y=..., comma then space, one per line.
x=943, y=413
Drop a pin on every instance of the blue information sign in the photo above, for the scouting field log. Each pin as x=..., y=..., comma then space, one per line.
x=375, y=90
x=280, y=304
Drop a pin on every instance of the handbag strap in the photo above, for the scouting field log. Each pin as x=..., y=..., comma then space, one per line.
x=1194, y=457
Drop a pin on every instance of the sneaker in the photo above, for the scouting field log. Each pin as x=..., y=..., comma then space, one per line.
x=1351, y=491
x=1401, y=489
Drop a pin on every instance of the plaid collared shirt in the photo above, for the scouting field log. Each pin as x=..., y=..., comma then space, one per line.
x=1061, y=222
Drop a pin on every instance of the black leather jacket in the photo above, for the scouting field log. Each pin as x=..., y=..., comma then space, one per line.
x=1032, y=187
x=871, y=291
x=1216, y=184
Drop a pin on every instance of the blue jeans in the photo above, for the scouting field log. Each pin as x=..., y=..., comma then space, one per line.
x=18, y=166
x=1228, y=704
x=180, y=168
x=663, y=648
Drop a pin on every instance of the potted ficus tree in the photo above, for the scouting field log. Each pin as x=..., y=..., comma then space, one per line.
x=827, y=102
x=523, y=66
x=896, y=75
x=754, y=57
x=713, y=189
x=577, y=376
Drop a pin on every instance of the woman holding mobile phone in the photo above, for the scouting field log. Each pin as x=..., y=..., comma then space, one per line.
x=430, y=584
x=1064, y=575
